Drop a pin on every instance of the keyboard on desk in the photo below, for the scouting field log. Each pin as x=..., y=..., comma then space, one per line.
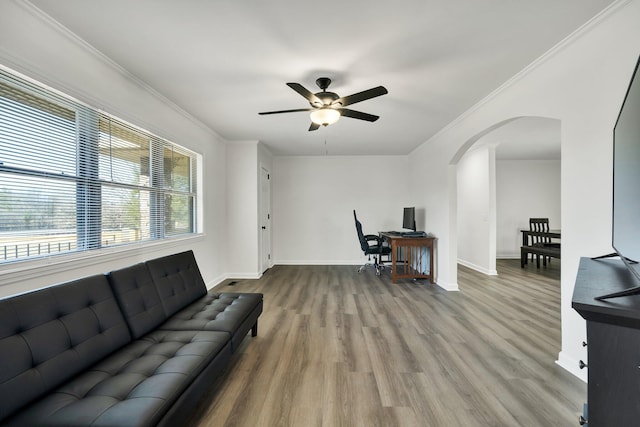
x=408, y=233
x=414, y=234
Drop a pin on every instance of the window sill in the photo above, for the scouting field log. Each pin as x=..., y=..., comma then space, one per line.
x=30, y=269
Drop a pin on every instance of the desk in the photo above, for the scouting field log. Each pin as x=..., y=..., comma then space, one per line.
x=408, y=256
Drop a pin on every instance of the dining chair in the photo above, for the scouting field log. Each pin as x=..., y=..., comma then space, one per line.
x=540, y=225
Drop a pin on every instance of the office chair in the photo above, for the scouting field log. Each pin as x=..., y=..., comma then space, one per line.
x=377, y=250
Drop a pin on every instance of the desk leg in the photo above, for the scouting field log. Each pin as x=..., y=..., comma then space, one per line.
x=394, y=258
x=431, y=278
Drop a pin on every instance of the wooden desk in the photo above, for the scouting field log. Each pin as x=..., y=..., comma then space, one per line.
x=408, y=256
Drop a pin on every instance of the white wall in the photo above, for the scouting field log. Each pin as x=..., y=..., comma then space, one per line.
x=525, y=189
x=314, y=199
x=582, y=83
x=242, y=210
x=430, y=177
x=476, y=210
x=38, y=48
x=244, y=160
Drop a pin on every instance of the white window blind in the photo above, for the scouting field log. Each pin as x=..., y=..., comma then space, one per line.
x=73, y=178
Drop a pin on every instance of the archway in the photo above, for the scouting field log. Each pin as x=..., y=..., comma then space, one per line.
x=526, y=151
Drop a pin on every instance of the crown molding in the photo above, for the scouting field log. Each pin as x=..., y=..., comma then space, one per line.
x=90, y=49
x=556, y=49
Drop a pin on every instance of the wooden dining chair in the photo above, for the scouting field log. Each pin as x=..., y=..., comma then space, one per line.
x=539, y=225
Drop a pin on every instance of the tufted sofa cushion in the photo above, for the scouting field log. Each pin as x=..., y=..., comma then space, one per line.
x=51, y=335
x=138, y=298
x=235, y=313
x=138, y=289
x=136, y=386
x=178, y=280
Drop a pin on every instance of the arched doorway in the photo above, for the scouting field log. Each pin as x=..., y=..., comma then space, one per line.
x=504, y=175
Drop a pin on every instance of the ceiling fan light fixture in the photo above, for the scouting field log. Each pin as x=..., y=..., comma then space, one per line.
x=325, y=116
x=327, y=107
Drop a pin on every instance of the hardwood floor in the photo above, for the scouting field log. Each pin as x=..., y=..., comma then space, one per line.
x=341, y=348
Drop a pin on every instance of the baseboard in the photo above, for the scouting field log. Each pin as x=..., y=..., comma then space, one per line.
x=217, y=281
x=221, y=279
x=451, y=287
x=319, y=262
x=244, y=275
x=478, y=268
x=508, y=256
x=572, y=366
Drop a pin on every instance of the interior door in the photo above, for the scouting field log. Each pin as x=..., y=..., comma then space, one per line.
x=265, y=219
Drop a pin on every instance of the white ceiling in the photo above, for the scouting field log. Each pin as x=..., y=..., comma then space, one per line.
x=224, y=61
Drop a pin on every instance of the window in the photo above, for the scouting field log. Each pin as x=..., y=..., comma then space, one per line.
x=75, y=179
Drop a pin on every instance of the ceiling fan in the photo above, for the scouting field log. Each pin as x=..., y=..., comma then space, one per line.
x=328, y=107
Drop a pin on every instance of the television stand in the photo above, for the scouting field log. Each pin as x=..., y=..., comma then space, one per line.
x=613, y=338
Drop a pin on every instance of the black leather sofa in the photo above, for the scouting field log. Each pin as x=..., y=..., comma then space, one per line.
x=135, y=347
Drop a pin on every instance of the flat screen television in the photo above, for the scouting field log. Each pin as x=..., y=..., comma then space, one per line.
x=626, y=184
x=409, y=218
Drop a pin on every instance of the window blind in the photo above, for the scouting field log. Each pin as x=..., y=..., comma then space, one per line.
x=73, y=178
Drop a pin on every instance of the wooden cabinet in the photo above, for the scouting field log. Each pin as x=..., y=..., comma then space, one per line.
x=613, y=342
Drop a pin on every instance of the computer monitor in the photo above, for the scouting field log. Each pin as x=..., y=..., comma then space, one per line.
x=409, y=218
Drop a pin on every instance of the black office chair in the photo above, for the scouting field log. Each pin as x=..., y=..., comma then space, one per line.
x=377, y=250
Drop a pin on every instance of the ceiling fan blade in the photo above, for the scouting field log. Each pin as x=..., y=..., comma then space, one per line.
x=287, y=111
x=314, y=100
x=345, y=112
x=314, y=126
x=361, y=96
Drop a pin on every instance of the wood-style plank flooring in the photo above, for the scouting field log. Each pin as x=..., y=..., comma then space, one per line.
x=340, y=348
